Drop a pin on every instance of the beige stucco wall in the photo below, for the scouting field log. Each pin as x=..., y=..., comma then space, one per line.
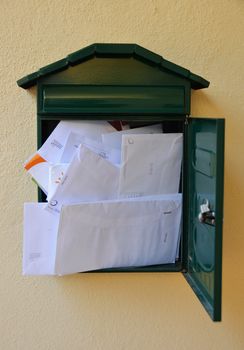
x=118, y=311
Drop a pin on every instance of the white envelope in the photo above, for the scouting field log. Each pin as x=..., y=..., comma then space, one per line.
x=114, y=139
x=52, y=149
x=56, y=173
x=150, y=164
x=50, y=152
x=73, y=142
x=38, y=168
x=89, y=177
x=111, y=154
x=118, y=234
x=40, y=239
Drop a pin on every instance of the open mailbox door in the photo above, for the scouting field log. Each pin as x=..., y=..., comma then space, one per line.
x=205, y=153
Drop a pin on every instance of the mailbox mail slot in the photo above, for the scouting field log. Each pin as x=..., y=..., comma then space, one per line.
x=130, y=83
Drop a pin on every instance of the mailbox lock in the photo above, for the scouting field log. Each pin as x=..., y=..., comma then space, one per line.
x=206, y=215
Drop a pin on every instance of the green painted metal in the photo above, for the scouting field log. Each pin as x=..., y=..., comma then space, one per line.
x=102, y=51
x=105, y=50
x=204, y=240
x=81, y=55
x=29, y=80
x=185, y=199
x=54, y=67
x=103, y=100
x=113, y=86
x=115, y=71
x=177, y=69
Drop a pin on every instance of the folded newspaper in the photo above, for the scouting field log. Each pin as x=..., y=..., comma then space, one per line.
x=112, y=199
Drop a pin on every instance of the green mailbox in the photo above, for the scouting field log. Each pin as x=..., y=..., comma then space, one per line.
x=128, y=82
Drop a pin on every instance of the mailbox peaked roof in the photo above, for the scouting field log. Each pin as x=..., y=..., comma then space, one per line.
x=114, y=50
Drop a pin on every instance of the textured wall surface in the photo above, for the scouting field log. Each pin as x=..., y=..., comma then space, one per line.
x=118, y=311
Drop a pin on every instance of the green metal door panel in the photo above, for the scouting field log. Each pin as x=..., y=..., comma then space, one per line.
x=205, y=152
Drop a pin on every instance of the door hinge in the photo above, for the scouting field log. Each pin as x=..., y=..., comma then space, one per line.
x=187, y=119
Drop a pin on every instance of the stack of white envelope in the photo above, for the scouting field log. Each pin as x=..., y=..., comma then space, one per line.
x=112, y=199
